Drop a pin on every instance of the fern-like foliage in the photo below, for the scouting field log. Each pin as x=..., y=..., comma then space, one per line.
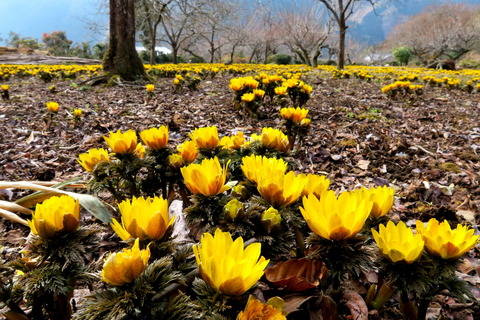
x=150, y=296
x=341, y=257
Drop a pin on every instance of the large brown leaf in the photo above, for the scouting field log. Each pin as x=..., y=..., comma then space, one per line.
x=297, y=274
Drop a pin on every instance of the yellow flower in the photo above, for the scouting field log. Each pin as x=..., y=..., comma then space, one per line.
x=305, y=122
x=290, y=83
x=5, y=87
x=55, y=216
x=93, y=157
x=155, y=138
x=281, y=91
x=52, y=106
x=150, y=87
x=336, y=218
x=382, y=198
x=280, y=189
x=176, y=82
x=398, y=242
x=205, y=138
x=259, y=93
x=77, y=112
x=250, y=82
x=442, y=241
x=123, y=267
x=275, y=139
x=179, y=77
x=140, y=150
x=294, y=114
x=240, y=191
x=226, y=266
x=248, y=97
x=188, y=150
x=236, y=84
x=234, y=142
x=207, y=178
x=255, y=310
x=307, y=89
x=145, y=219
x=253, y=165
x=315, y=185
x=175, y=161
x=122, y=142
x=238, y=140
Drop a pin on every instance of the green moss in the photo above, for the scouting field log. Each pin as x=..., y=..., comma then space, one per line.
x=450, y=166
x=468, y=156
x=348, y=143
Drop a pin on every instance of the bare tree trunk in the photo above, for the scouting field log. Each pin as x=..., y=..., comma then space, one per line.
x=341, y=42
x=174, y=55
x=232, y=53
x=317, y=54
x=121, y=57
x=252, y=56
x=301, y=56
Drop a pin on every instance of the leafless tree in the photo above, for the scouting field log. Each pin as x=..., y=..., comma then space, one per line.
x=149, y=17
x=213, y=23
x=177, y=24
x=264, y=36
x=447, y=31
x=341, y=11
x=304, y=31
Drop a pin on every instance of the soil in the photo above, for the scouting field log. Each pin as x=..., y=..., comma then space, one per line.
x=426, y=148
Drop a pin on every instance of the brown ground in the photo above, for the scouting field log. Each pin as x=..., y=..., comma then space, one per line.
x=358, y=138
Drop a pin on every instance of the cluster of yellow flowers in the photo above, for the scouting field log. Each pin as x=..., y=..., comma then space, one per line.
x=432, y=81
x=402, y=88
x=204, y=138
x=252, y=90
x=363, y=75
x=223, y=262
x=297, y=115
x=48, y=72
x=210, y=70
x=400, y=245
x=459, y=79
x=408, y=77
x=451, y=83
x=124, y=143
x=341, y=74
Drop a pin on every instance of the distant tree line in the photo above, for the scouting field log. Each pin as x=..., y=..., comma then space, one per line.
x=58, y=44
x=448, y=31
x=308, y=32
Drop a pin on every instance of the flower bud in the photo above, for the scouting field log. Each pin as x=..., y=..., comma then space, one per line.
x=271, y=219
x=175, y=161
x=233, y=210
x=240, y=192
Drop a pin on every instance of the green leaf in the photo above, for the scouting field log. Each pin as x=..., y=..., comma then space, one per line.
x=37, y=197
x=91, y=203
